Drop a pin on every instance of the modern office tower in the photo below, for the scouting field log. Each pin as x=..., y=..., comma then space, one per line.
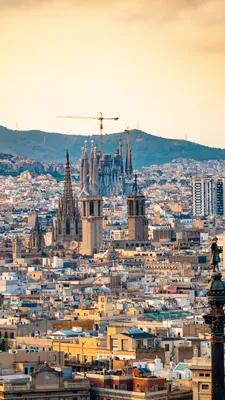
x=203, y=197
x=208, y=197
x=220, y=196
x=92, y=216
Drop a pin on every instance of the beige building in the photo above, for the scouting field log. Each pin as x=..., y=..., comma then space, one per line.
x=137, y=221
x=92, y=216
x=24, y=361
x=201, y=378
x=45, y=383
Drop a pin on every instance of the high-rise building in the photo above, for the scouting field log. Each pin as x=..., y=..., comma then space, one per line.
x=203, y=197
x=67, y=226
x=92, y=217
x=137, y=221
x=220, y=196
x=208, y=197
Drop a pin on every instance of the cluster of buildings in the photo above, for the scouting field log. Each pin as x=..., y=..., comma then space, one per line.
x=103, y=290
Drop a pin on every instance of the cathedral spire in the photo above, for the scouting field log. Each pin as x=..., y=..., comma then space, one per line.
x=121, y=154
x=85, y=171
x=67, y=203
x=128, y=167
x=36, y=224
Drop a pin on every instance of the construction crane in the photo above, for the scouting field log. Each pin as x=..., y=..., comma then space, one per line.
x=100, y=118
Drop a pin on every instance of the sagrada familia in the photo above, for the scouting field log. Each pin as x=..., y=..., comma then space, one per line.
x=105, y=174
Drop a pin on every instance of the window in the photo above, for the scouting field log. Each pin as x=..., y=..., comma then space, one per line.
x=124, y=344
x=84, y=208
x=167, y=347
x=205, y=387
x=115, y=386
x=143, y=207
x=99, y=208
x=67, y=227
x=91, y=208
x=123, y=386
x=131, y=208
x=137, y=207
x=207, y=375
x=201, y=375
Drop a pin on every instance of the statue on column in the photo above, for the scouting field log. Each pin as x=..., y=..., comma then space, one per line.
x=215, y=255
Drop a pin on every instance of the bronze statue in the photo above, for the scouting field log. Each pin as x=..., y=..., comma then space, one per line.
x=215, y=252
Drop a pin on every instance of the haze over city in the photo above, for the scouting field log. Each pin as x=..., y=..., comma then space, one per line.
x=156, y=64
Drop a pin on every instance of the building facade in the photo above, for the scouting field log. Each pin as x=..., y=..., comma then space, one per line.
x=104, y=174
x=92, y=216
x=208, y=197
x=137, y=221
x=67, y=226
x=45, y=383
x=203, y=197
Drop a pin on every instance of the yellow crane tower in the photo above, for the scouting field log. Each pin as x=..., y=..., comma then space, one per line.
x=99, y=118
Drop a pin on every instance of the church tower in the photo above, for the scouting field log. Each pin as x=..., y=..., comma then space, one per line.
x=128, y=165
x=137, y=221
x=17, y=248
x=37, y=240
x=67, y=225
x=92, y=216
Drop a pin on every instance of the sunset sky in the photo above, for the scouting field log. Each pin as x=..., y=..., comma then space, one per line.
x=156, y=64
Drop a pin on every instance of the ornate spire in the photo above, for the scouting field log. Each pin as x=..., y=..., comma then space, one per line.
x=85, y=171
x=121, y=154
x=135, y=185
x=37, y=227
x=128, y=167
x=67, y=200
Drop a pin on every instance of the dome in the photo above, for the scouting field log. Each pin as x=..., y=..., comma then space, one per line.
x=216, y=284
x=216, y=288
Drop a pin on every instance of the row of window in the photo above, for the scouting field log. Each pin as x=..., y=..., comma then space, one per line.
x=7, y=335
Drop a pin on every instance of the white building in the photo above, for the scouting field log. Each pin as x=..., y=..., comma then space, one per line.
x=203, y=197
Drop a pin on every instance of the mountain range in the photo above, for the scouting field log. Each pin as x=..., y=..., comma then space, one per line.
x=147, y=149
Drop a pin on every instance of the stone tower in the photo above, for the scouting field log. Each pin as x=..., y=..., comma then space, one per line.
x=67, y=227
x=37, y=240
x=92, y=216
x=17, y=248
x=137, y=221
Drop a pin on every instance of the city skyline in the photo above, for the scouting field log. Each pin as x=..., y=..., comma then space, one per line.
x=155, y=65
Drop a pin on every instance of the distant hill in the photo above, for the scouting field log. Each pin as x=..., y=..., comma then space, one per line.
x=146, y=149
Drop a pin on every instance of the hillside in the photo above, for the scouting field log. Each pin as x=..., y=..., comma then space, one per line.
x=147, y=149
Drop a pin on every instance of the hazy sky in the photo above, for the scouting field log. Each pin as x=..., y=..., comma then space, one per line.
x=156, y=64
